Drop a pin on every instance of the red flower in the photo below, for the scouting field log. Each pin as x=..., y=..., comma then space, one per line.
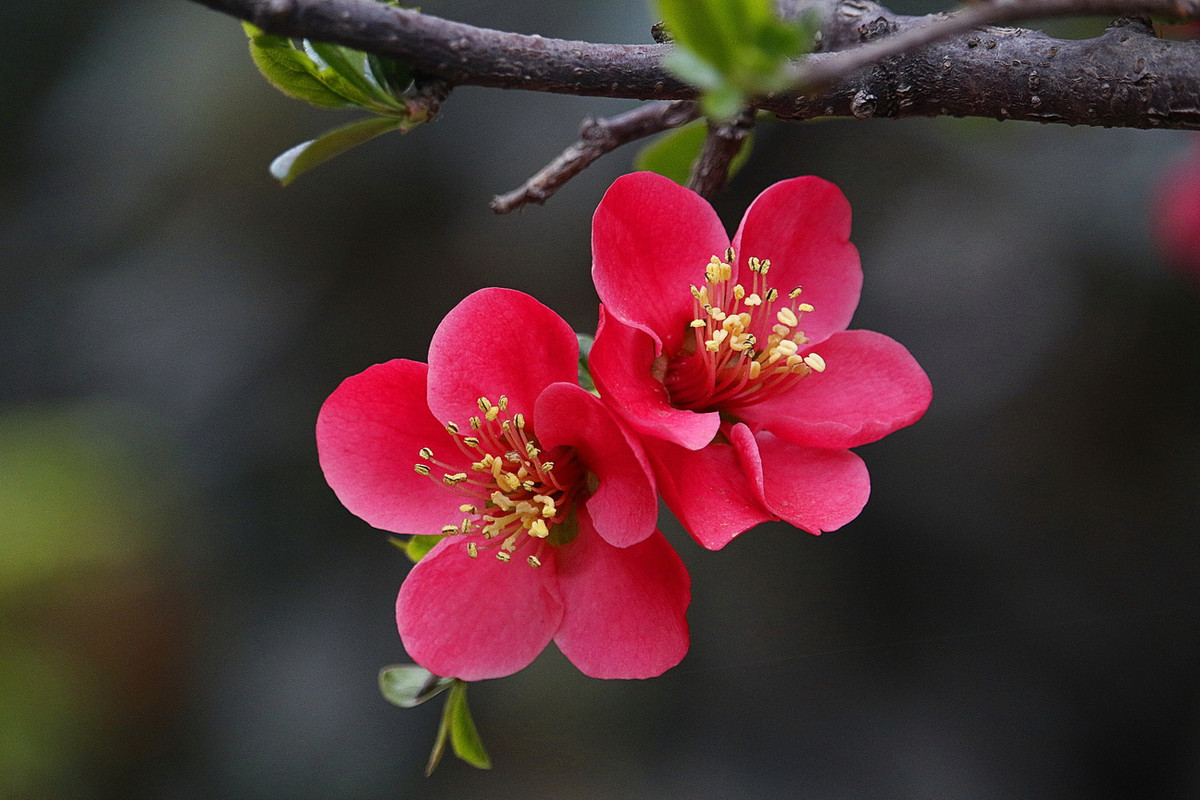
x=733, y=361
x=549, y=508
x=1177, y=215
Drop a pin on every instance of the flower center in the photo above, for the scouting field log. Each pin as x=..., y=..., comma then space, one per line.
x=518, y=497
x=745, y=344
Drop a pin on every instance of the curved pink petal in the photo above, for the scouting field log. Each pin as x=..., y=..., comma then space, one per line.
x=709, y=491
x=815, y=490
x=369, y=434
x=498, y=342
x=624, y=507
x=624, y=608
x=476, y=618
x=621, y=361
x=803, y=226
x=651, y=239
x=871, y=386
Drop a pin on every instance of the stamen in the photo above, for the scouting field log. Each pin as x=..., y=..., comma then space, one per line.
x=425, y=452
x=815, y=362
x=422, y=469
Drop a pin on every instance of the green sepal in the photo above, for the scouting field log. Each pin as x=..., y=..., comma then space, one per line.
x=673, y=153
x=418, y=546
x=409, y=685
x=586, y=340
x=303, y=157
x=290, y=70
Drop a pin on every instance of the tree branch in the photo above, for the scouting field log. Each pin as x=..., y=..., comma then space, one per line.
x=725, y=140
x=596, y=138
x=1126, y=78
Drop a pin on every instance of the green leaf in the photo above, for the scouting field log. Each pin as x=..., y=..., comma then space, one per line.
x=289, y=70
x=732, y=50
x=303, y=157
x=673, y=153
x=409, y=685
x=464, y=736
x=419, y=545
x=347, y=71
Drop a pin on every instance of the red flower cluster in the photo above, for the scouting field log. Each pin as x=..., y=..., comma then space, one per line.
x=727, y=380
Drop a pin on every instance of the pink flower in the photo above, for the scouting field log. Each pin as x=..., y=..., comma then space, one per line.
x=548, y=507
x=1177, y=215
x=732, y=359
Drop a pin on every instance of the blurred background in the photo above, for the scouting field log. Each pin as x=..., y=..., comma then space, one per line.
x=186, y=611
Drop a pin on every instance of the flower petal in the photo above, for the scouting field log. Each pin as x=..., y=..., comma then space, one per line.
x=651, y=239
x=624, y=507
x=624, y=608
x=871, y=386
x=621, y=360
x=476, y=618
x=369, y=433
x=815, y=490
x=498, y=341
x=803, y=226
x=709, y=490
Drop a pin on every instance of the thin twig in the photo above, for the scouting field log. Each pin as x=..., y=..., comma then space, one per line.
x=596, y=138
x=725, y=140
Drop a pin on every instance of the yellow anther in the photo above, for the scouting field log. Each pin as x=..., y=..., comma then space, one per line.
x=470, y=441
x=451, y=428
x=512, y=456
x=695, y=292
x=787, y=317
x=472, y=549
x=492, y=413
x=805, y=307
x=503, y=556
x=766, y=265
x=781, y=330
x=712, y=271
x=531, y=450
x=794, y=293
x=714, y=343
x=480, y=466
x=753, y=300
x=730, y=255
x=484, y=404
x=739, y=291
x=455, y=479
x=465, y=526
x=476, y=423
x=503, y=402
x=508, y=482
x=519, y=419
x=534, y=561
x=755, y=369
x=698, y=323
x=467, y=508
x=741, y=341
x=787, y=347
x=449, y=529
x=716, y=313
x=539, y=528
x=772, y=295
x=422, y=469
x=815, y=362
x=528, y=486
x=425, y=452
x=754, y=264
x=547, y=466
